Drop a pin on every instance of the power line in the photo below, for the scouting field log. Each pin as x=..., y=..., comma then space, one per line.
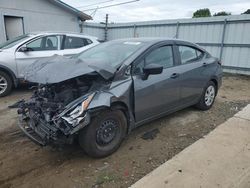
x=117, y=4
x=102, y=2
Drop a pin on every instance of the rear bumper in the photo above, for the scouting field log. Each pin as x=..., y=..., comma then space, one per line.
x=219, y=76
x=219, y=81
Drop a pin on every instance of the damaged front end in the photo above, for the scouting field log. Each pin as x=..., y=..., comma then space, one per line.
x=57, y=109
x=56, y=112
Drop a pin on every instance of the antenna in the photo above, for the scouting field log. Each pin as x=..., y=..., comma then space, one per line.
x=94, y=12
x=102, y=2
x=107, y=6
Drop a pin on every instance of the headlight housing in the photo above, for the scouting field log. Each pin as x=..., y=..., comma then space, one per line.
x=75, y=116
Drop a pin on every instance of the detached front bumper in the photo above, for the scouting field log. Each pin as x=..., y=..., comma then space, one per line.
x=43, y=133
x=34, y=135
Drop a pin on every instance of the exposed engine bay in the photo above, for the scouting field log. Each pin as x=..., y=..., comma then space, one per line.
x=55, y=96
x=50, y=111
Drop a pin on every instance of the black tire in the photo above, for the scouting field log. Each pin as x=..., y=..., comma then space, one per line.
x=5, y=78
x=91, y=138
x=202, y=105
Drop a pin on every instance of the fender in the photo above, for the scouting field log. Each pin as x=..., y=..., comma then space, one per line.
x=104, y=100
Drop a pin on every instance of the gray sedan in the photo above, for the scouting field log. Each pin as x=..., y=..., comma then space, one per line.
x=102, y=94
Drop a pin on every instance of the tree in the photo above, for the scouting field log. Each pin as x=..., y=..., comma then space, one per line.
x=202, y=13
x=222, y=13
x=246, y=12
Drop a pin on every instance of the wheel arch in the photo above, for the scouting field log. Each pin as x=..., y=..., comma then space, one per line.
x=116, y=105
x=10, y=73
x=214, y=80
x=119, y=105
x=108, y=101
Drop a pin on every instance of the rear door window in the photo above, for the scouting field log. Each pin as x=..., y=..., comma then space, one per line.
x=75, y=42
x=189, y=54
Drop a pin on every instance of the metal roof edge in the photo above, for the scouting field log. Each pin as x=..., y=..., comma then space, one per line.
x=73, y=10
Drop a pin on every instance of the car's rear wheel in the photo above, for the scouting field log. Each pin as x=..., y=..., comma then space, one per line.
x=105, y=133
x=5, y=84
x=208, y=96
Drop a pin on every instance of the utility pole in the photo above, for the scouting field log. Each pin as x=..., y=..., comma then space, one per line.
x=106, y=28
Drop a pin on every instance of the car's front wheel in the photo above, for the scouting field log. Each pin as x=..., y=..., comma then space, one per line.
x=105, y=133
x=208, y=96
x=5, y=84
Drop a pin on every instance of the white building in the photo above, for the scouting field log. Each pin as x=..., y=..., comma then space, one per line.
x=23, y=16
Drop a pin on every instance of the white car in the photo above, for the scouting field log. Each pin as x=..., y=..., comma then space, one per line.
x=20, y=52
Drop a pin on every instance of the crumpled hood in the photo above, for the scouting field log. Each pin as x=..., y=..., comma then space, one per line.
x=57, y=68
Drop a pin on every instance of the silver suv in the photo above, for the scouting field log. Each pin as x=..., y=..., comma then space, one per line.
x=18, y=53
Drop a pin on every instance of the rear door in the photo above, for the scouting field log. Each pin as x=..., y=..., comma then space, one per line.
x=192, y=67
x=40, y=47
x=159, y=93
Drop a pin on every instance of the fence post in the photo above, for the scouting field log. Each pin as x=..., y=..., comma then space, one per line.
x=177, y=30
x=134, y=30
x=223, y=38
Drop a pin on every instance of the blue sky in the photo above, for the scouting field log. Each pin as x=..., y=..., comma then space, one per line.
x=145, y=10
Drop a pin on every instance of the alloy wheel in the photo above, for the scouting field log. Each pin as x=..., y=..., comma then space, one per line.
x=3, y=84
x=210, y=95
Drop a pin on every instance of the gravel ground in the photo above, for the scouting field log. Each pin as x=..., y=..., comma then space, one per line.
x=24, y=164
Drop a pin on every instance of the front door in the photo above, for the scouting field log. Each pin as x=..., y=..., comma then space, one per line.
x=36, y=49
x=159, y=93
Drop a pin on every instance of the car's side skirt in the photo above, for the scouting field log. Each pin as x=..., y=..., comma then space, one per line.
x=137, y=124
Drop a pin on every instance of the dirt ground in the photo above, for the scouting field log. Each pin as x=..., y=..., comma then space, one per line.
x=24, y=164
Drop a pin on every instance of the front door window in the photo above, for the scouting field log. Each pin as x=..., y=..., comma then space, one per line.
x=44, y=44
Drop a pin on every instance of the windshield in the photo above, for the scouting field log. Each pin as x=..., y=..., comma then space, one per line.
x=12, y=42
x=111, y=53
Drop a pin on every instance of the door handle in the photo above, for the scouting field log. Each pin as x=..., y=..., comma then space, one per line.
x=175, y=75
x=204, y=64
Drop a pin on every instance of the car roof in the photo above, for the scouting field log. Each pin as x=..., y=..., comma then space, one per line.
x=152, y=40
x=142, y=39
x=60, y=33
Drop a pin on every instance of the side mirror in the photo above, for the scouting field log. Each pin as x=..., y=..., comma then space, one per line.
x=23, y=49
x=151, y=69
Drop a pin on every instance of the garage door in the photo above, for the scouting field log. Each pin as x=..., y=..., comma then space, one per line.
x=13, y=26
